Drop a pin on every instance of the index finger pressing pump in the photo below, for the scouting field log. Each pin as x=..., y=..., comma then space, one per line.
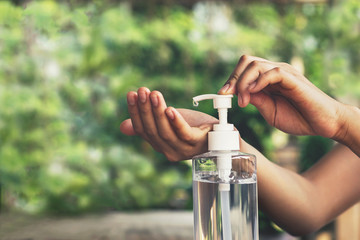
x=224, y=182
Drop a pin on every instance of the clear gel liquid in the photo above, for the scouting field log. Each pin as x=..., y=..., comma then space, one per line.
x=208, y=219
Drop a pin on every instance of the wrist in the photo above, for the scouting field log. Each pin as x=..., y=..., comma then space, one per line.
x=348, y=128
x=343, y=113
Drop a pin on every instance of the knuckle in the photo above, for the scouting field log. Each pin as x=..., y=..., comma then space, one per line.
x=159, y=115
x=277, y=69
x=254, y=64
x=144, y=111
x=165, y=136
x=150, y=133
x=133, y=114
x=233, y=76
x=187, y=137
x=288, y=67
x=171, y=157
x=284, y=64
x=244, y=58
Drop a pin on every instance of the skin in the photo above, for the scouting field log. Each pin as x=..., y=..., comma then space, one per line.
x=291, y=103
x=165, y=127
x=299, y=203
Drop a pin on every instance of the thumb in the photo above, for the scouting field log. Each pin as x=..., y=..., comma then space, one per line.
x=126, y=128
x=265, y=104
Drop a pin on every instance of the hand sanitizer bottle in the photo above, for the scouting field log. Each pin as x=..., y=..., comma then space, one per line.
x=224, y=183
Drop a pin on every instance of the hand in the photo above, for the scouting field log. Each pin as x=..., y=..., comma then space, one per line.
x=285, y=98
x=178, y=134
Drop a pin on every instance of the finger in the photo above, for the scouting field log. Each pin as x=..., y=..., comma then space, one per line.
x=149, y=124
x=266, y=106
x=132, y=99
x=247, y=80
x=182, y=128
x=270, y=77
x=136, y=121
x=230, y=85
x=146, y=115
x=145, y=112
x=165, y=130
x=126, y=128
x=281, y=113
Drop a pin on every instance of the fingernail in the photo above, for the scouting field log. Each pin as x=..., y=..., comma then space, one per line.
x=142, y=96
x=170, y=114
x=154, y=101
x=131, y=100
x=225, y=88
x=240, y=101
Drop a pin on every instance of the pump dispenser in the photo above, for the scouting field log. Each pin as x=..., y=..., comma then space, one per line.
x=223, y=138
x=224, y=182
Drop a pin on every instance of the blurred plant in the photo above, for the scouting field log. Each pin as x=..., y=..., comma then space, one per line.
x=312, y=148
x=66, y=68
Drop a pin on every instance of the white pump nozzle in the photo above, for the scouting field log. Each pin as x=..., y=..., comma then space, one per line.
x=223, y=137
x=221, y=103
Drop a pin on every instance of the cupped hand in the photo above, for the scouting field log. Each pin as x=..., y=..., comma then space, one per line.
x=285, y=98
x=178, y=134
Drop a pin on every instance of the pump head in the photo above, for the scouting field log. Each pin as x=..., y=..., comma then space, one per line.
x=220, y=102
x=223, y=137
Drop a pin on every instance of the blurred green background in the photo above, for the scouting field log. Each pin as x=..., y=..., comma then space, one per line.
x=65, y=69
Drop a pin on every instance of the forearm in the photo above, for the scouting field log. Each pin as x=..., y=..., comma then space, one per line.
x=284, y=196
x=349, y=132
x=302, y=203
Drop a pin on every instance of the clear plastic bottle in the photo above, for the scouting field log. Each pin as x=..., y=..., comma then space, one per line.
x=224, y=183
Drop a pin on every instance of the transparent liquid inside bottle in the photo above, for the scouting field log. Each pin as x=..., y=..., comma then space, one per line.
x=222, y=214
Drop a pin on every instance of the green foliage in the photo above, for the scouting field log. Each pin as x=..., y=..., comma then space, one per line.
x=65, y=70
x=312, y=148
